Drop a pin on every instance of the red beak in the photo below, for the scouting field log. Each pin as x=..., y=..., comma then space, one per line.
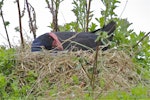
x=56, y=43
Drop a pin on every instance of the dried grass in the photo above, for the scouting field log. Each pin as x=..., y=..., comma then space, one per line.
x=115, y=71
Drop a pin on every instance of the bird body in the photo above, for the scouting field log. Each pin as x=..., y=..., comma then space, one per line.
x=70, y=40
x=83, y=40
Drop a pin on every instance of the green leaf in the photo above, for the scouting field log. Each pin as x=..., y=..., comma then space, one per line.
x=6, y=23
x=92, y=27
x=139, y=92
x=75, y=79
x=1, y=4
x=2, y=81
x=17, y=29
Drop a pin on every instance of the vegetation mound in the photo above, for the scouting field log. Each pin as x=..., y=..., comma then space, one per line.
x=70, y=74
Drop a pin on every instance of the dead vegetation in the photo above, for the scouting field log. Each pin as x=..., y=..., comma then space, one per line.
x=69, y=73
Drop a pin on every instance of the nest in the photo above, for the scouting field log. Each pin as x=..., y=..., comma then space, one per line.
x=71, y=72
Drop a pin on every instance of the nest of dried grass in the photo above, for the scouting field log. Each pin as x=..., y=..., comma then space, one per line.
x=115, y=70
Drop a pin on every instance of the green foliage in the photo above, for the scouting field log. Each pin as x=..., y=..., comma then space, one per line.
x=9, y=82
x=3, y=84
x=75, y=79
x=6, y=23
x=92, y=27
x=109, y=12
x=137, y=93
x=31, y=77
x=117, y=95
x=80, y=11
x=122, y=34
x=6, y=66
x=125, y=39
x=143, y=54
x=53, y=91
x=1, y=3
x=72, y=26
x=57, y=3
x=2, y=81
x=102, y=36
x=102, y=82
x=6, y=61
x=17, y=29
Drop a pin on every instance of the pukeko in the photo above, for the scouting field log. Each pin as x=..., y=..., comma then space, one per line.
x=71, y=40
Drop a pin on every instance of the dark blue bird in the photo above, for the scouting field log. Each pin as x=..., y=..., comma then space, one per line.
x=71, y=40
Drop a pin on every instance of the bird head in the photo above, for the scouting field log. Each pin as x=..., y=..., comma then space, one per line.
x=56, y=43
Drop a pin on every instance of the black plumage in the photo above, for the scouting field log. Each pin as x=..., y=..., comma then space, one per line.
x=73, y=40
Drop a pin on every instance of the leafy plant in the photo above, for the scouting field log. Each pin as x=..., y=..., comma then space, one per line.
x=7, y=61
x=83, y=14
x=108, y=13
x=72, y=26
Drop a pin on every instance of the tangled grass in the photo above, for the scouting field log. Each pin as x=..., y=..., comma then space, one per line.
x=68, y=75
